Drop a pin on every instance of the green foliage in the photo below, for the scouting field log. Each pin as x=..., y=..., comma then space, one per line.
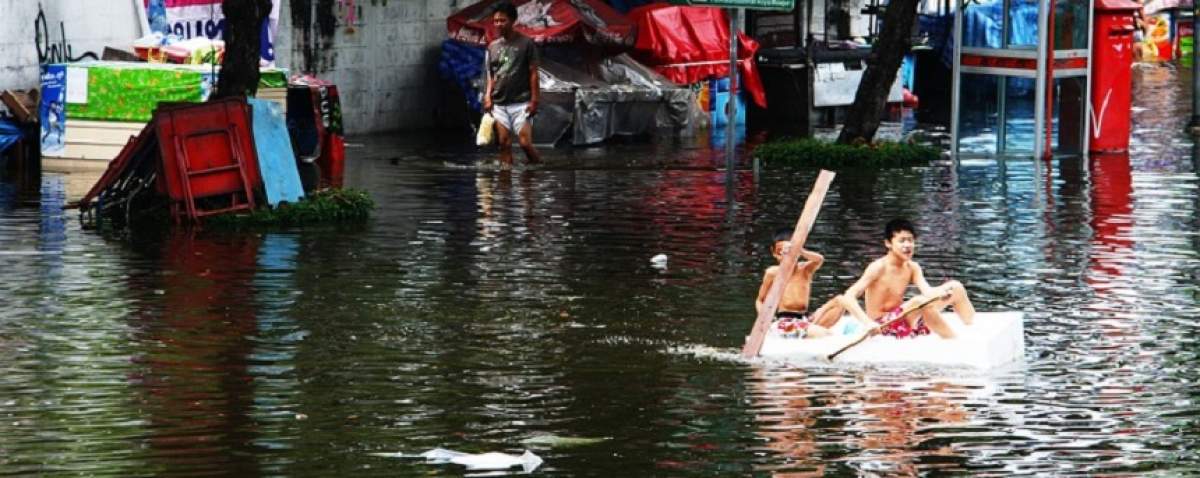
x=817, y=153
x=330, y=205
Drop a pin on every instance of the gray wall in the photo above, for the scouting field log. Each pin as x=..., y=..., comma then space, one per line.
x=382, y=54
x=89, y=26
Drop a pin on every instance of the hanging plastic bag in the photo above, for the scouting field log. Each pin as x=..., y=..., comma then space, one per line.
x=487, y=130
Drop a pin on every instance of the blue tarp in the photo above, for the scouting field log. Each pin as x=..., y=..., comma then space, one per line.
x=983, y=23
x=938, y=29
x=983, y=27
x=463, y=64
x=9, y=134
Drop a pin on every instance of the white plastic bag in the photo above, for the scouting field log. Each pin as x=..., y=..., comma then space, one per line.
x=487, y=130
x=478, y=461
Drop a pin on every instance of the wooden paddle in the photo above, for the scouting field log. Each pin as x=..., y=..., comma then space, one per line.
x=909, y=308
x=812, y=206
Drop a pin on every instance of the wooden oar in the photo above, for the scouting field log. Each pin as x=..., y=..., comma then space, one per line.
x=812, y=206
x=905, y=312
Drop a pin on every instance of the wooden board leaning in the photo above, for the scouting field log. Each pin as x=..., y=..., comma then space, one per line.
x=803, y=225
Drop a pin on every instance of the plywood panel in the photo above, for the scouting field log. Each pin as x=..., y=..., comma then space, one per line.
x=101, y=132
x=92, y=142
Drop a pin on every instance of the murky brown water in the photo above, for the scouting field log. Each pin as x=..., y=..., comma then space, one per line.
x=482, y=308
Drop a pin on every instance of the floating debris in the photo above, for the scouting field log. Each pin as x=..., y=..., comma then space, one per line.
x=475, y=461
x=556, y=441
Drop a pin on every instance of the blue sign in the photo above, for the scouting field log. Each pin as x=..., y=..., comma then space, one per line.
x=53, y=108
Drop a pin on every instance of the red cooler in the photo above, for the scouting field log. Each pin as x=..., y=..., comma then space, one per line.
x=1112, y=80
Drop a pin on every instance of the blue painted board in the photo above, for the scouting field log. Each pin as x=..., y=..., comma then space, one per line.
x=276, y=161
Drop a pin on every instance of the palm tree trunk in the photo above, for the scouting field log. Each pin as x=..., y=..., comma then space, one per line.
x=243, y=27
x=862, y=120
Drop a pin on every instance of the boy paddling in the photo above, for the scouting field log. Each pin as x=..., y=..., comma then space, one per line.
x=886, y=279
x=758, y=332
x=793, y=305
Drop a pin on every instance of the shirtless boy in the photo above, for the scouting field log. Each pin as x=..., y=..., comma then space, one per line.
x=886, y=279
x=793, y=305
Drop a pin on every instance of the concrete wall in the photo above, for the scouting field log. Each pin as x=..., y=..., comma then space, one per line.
x=18, y=57
x=72, y=29
x=382, y=54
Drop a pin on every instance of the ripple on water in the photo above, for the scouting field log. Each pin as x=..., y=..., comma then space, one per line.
x=482, y=308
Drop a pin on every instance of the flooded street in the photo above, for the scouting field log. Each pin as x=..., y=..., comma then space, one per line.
x=484, y=310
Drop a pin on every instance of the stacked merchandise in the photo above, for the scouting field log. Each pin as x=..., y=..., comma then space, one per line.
x=89, y=110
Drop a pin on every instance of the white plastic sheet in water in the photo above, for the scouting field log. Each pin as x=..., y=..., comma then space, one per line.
x=476, y=461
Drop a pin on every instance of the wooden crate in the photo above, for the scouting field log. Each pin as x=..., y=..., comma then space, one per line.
x=22, y=104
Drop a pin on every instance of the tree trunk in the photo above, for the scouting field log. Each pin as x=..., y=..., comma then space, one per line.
x=243, y=29
x=895, y=37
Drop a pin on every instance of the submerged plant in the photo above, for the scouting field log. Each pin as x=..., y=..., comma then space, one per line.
x=817, y=153
x=325, y=206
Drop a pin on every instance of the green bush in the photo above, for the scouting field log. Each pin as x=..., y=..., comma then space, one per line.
x=817, y=153
x=330, y=205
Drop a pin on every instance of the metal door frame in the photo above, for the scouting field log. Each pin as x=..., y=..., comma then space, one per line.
x=1041, y=56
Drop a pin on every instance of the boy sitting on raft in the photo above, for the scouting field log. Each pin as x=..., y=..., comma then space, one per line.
x=793, y=305
x=886, y=279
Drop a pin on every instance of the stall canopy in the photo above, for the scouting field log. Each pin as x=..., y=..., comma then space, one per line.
x=689, y=44
x=1154, y=6
x=547, y=21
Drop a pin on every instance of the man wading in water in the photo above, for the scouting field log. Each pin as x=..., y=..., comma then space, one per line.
x=512, y=84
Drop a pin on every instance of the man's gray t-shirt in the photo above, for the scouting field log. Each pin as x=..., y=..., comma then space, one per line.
x=509, y=63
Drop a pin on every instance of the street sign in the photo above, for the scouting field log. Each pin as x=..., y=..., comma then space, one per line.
x=748, y=4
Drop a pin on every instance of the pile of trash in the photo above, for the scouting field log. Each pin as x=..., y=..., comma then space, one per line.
x=192, y=161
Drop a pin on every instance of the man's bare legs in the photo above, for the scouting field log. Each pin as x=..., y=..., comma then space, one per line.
x=815, y=331
x=960, y=301
x=957, y=298
x=525, y=137
x=828, y=314
x=504, y=140
x=933, y=319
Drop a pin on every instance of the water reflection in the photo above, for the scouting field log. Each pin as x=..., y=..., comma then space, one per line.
x=817, y=423
x=1112, y=221
x=482, y=307
x=192, y=373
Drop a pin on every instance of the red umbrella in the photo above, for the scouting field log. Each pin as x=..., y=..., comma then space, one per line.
x=689, y=44
x=547, y=21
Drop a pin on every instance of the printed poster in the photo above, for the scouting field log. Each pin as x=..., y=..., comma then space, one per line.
x=203, y=18
x=53, y=108
x=1156, y=45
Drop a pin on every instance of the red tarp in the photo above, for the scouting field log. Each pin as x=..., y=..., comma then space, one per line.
x=689, y=44
x=547, y=21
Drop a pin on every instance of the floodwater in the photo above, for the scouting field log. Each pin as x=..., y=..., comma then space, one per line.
x=483, y=310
